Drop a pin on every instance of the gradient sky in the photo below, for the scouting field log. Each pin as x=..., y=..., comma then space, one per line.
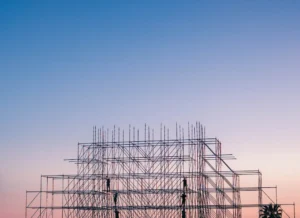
x=66, y=66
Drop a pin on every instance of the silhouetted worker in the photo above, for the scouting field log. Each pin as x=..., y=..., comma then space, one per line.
x=108, y=184
x=117, y=213
x=183, y=214
x=115, y=198
x=183, y=198
x=184, y=183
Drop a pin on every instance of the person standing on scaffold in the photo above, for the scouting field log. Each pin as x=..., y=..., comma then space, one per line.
x=183, y=197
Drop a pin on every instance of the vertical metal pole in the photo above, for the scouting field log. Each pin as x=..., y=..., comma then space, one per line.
x=47, y=198
x=259, y=190
x=294, y=210
x=26, y=206
x=62, y=199
x=276, y=193
x=41, y=196
x=52, y=200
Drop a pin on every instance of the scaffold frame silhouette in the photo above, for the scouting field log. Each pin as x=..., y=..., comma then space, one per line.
x=131, y=177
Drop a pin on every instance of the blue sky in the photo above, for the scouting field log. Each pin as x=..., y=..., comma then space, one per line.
x=54, y=51
x=66, y=66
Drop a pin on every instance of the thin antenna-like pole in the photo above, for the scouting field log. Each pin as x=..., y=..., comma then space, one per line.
x=93, y=134
x=176, y=132
x=189, y=130
x=133, y=134
x=276, y=194
x=114, y=133
x=129, y=132
x=145, y=132
x=160, y=131
x=107, y=137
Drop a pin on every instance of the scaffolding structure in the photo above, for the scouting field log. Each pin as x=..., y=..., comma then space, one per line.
x=186, y=176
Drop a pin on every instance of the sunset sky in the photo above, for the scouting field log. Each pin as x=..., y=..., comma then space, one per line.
x=66, y=66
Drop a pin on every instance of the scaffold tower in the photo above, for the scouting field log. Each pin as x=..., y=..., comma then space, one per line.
x=136, y=175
